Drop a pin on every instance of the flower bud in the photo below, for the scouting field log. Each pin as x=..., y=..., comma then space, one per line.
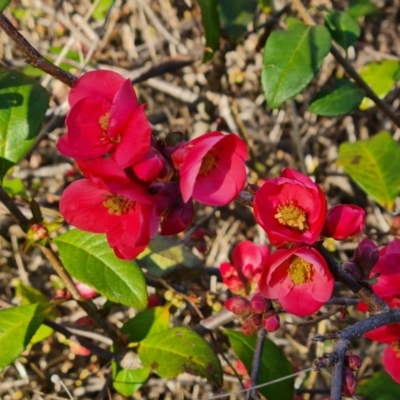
x=235, y=285
x=271, y=321
x=78, y=349
x=38, y=232
x=248, y=327
x=150, y=166
x=259, y=304
x=85, y=291
x=255, y=320
x=154, y=301
x=352, y=361
x=177, y=218
x=238, y=305
x=348, y=382
x=352, y=268
x=344, y=220
x=366, y=254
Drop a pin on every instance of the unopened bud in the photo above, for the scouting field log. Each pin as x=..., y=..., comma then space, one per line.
x=352, y=361
x=238, y=305
x=348, y=382
x=271, y=321
x=259, y=304
x=352, y=268
x=85, y=291
x=366, y=254
x=38, y=232
x=248, y=327
x=255, y=320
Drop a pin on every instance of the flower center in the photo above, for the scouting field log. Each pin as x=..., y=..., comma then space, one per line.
x=292, y=216
x=103, y=121
x=300, y=271
x=209, y=162
x=117, y=204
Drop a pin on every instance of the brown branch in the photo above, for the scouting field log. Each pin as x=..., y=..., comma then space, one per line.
x=32, y=56
x=256, y=364
x=380, y=104
x=245, y=198
x=14, y=209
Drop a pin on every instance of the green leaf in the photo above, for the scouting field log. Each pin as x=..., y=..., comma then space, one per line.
x=128, y=381
x=380, y=77
x=17, y=327
x=274, y=365
x=166, y=259
x=23, y=106
x=101, y=9
x=180, y=350
x=396, y=76
x=236, y=16
x=147, y=323
x=343, y=99
x=374, y=164
x=211, y=26
x=359, y=8
x=379, y=387
x=89, y=259
x=291, y=60
x=4, y=4
x=13, y=186
x=344, y=30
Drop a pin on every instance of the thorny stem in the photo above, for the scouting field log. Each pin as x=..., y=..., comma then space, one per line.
x=32, y=56
x=349, y=69
x=256, y=364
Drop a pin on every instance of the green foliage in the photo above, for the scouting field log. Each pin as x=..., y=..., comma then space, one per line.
x=89, y=259
x=4, y=4
x=211, y=26
x=147, y=323
x=17, y=327
x=291, y=60
x=379, y=387
x=343, y=99
x=178, y=350
x=274, y=365
x=374, y=164
x=344, y=30
x=101, y=9
x=23, y=106
x=380, y=77
x=128, y=381
x=359, y=8
x=166, y=259
x=235, y=16
x=13, y=186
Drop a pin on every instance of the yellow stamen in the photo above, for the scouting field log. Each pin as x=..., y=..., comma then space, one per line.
x=117, y=204
x=300, y=271
x=290, y=215
x=209, y=162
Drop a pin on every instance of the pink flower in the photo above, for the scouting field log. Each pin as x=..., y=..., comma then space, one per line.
x=105, y=117
x=85, y=291
x=92, y=207
x=299, y=278
x=391, y=360
x=212, y=168
x=248, y=261
x=291, y=208
x=344, y=220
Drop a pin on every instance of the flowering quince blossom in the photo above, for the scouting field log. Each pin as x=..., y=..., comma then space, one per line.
x=299, y=278
x=248, y=261
x=291, y=208
x=105, y=117
x=344, y=220
x=212, y=168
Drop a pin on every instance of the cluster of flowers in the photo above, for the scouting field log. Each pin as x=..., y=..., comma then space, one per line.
x=135, y=185
x=292, y=209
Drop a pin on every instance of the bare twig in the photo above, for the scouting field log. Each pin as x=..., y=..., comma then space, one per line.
x=32, y=55
x=14, y=209
x=256, y=364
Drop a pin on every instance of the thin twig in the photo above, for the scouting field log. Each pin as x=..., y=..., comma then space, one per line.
x=33, y=57
x=14, y=209
x=256, y=364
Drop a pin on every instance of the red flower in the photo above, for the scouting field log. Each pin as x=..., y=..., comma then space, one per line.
x=92, y=207
x=391, y=360
x=248, y=260
x=212, y=168
x=343, y=221
x=299, y=278
x=105, y=117
x=291, y=208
